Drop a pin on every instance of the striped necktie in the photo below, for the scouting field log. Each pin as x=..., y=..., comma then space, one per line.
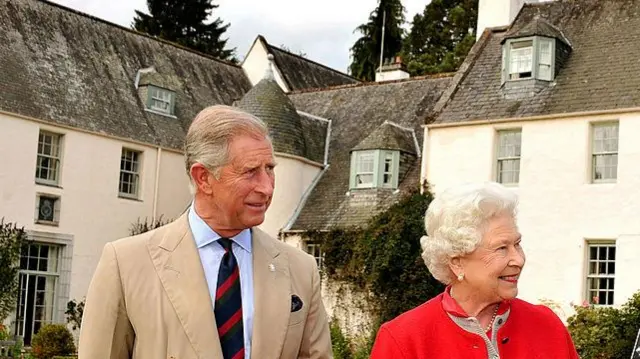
x=228, y=305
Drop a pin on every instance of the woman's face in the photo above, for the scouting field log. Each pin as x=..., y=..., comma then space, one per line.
x=493, y=269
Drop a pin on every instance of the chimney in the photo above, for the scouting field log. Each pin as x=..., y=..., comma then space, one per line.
x=392, y=70
x=494, y=13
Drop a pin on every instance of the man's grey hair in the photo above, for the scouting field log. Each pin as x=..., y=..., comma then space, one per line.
x=208, y=137
x=455, y=223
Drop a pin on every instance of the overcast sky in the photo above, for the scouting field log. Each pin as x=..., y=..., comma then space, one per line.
x=321, y=29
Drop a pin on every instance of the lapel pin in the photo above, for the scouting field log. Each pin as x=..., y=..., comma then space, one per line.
x=272, y=267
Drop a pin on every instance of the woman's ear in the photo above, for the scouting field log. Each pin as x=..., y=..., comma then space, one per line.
x=455, y=264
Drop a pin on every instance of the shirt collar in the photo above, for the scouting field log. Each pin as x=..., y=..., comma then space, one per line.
x=204, y=235
x=452, y=307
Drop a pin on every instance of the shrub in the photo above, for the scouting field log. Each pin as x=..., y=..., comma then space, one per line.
x=12, y=241
x=52, y=340
x=339, y=342
x=141, y=227
x=606, y=332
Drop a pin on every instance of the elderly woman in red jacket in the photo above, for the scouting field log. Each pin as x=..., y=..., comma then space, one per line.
x=474, y=247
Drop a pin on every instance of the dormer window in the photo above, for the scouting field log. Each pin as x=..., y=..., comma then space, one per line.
x=374, y=169
x=528, y=58
x=161, y=100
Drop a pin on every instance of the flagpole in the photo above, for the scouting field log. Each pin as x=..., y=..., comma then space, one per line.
x=384, y=20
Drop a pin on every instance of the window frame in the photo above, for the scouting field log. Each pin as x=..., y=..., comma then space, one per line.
x=56, y=209
x=536, y=48
x=160, y=91
x=499, y=159
x=379, y=160
x=310, y=247
x=135, y=173
x=56, y=158
x=600, y=243
x=593, y=155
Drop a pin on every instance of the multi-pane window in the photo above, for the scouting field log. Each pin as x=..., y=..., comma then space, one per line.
x=601, y=258
x=375, y=168
x=509, y=148
x=315, y=250
x=521, y=55
x=365, y=169
x=605, y=152
x=38, y=282
x=528, y=58
x=545, y=59
x=129, y=173
x=161, y=100
x=48, y=161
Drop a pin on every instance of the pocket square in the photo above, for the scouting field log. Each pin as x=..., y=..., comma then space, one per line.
x=296, y=303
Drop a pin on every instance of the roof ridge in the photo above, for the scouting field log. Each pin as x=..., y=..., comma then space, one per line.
x=307, y=60
x=135, y=32
x=373, y=83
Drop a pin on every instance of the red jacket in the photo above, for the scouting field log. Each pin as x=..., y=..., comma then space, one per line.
x=427, y=332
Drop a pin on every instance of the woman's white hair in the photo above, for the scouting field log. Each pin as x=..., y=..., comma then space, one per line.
x=455, y=222
x=208, y=137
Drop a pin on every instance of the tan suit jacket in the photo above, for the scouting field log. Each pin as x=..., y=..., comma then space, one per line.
x=149, y=299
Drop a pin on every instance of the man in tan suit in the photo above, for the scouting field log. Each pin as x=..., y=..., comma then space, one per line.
x=210, y=285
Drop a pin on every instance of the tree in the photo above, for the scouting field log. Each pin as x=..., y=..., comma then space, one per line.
x=440, y=38
x=183, y=22
x=288, y=49
x=12, y=241
x=365, y=52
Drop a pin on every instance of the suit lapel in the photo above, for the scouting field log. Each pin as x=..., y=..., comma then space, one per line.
x=177, y=261
x=272, y=297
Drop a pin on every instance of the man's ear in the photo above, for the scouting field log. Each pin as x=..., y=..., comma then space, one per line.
x=202, y=178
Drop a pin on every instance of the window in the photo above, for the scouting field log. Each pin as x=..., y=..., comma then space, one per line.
x=47, y=209
x=374, y=168
x=605, y=152
x=521, y=65
x=38, y=287
x=316, y=252
x=48, y=160
x=526, y=58
x=161, y=100
x=129, y=173
x=601, y=259
x=509, y=148
x=365, y=169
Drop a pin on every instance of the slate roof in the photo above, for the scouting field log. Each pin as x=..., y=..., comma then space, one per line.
x=599, y=74
x=301, y=73
x=61, y=66
x=302, y=136
x=537, y=26
x=389, y=137
x=356, y=112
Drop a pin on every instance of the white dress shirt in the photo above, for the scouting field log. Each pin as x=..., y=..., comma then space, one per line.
x=211, y=253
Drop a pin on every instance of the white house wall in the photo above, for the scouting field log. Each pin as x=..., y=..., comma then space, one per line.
x=91, y=211
x=256, y=63
x=293, y=177
x=559, y=208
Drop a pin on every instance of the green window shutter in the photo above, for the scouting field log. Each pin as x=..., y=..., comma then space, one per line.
x=352, y=176
x=396, y=168
x=150, y=89
x=505, y=61
x=172, y=107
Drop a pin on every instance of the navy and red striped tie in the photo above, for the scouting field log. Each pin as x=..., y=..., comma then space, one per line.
x=228, y=305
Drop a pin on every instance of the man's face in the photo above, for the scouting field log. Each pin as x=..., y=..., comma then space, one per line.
x=243, y=193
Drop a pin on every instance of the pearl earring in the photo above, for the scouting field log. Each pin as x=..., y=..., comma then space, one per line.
x=460, y=277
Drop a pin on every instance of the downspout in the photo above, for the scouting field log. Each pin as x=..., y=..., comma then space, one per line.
x=313, y=184
x=156, y=186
